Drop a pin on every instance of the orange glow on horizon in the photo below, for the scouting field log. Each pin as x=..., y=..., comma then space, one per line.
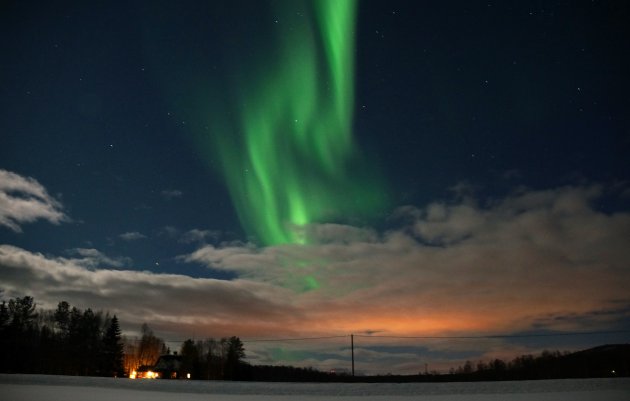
x=419, y=326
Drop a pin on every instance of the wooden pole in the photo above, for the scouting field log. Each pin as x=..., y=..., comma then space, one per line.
x=352, y=347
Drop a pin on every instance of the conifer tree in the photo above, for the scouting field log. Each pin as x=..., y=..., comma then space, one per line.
x=113, y=350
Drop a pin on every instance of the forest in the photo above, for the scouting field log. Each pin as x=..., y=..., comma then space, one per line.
x=65, y=341
x=71, y=341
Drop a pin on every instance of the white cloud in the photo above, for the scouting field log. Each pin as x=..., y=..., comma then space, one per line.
x=93, y=258
x=169, y=231
x=199, y=236
x=170, y=194
x=24, y=200
x=132, y=236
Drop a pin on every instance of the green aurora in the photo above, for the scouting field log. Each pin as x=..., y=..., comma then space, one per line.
x=289, y=158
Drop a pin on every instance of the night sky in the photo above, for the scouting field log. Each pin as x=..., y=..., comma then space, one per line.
x=302, y=169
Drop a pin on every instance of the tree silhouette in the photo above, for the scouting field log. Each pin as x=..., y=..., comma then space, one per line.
x=190, y=358
x=235, y=353
x=112, y=364
x=22, y=313
x=62, y=317
x=21, y=333
x=150, y=347
x=4, y=316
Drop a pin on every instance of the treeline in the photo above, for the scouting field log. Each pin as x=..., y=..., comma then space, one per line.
x=270, y=373
x=212, y=359
x=222, y=359
x=66, y=341
x=603, y=361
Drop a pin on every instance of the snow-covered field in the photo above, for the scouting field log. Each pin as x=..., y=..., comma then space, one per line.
x=65, y=388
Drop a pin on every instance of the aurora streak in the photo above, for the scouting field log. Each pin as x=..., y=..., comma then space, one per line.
x=290, y=158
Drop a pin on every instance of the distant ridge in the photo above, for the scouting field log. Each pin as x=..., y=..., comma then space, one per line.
x=611, y=360
x=605, y=361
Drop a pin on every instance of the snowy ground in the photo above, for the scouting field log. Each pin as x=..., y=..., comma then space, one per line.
x=65, y=388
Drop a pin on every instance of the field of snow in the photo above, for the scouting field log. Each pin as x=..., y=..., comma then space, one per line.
x=66, y=388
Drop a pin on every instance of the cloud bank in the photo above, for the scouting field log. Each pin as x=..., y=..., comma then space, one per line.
x=535, y=260
x=454, y=267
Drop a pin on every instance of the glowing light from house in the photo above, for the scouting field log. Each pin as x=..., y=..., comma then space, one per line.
x=144, y=375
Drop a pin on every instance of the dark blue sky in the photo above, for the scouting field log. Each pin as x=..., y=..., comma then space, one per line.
x=494, y=95
x=101, y=103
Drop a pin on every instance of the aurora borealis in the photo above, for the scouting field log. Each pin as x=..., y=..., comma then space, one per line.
x=314, y=168
x=290, y=160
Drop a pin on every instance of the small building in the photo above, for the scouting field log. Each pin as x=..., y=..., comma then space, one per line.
x=169, y=367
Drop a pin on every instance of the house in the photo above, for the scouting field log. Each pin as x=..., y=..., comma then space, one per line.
x=169, y=367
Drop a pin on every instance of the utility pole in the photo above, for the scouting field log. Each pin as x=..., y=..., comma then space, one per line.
x=352, y=347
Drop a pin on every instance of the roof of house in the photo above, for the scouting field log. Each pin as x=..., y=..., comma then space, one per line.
x=168, y=363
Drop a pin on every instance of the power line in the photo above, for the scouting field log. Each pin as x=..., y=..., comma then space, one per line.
x=255, y=340
x=259, y=340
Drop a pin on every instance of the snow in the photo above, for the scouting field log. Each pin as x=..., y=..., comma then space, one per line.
x=66, y=388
